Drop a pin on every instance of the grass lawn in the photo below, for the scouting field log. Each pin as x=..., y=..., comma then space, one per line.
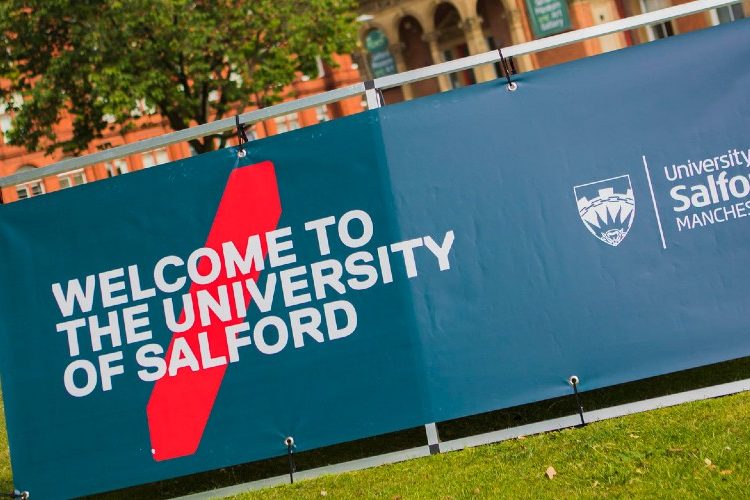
x=6, y=480
x=696, y=450
x=659, y=453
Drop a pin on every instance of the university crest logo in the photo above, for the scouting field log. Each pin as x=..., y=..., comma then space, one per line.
x=607, y=208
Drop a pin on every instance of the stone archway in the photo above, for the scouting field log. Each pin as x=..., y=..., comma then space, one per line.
x=495, y=26
x=450, y=42
x=416, y=54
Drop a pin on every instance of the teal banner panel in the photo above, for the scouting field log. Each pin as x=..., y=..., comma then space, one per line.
x=433, y=259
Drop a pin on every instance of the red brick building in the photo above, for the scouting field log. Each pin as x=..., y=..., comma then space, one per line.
x=411, y=34
x=15, y=159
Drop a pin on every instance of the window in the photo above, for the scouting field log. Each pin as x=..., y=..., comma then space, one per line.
x=156, y=157
x=74, y=178
x=29, y=189
x=116, y=167
x=322, y=113
x=462, y=78
x=663, y=30
x=492, y=46
x=286, y=123
x=730, y=13
x=5, y=124
x=660, y=30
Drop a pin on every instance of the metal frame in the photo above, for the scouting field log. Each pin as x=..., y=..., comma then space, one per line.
x=368, y=88
x=372, y=92
x=488, y=438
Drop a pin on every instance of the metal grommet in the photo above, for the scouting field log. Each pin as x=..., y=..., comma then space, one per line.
x=512, y=86
x=573, y=380
x=242, y=153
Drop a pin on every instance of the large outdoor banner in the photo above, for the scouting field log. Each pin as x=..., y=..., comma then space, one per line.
x=438, y=258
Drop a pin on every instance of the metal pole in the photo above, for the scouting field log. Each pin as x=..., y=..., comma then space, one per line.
x=371, y=93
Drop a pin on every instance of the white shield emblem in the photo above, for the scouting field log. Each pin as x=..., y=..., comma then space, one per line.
x=607, y=208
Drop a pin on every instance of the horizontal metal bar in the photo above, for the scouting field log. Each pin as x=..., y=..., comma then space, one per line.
x=713, y=391
x=551, y=42
x=554, y=424
x=358, y=89
x=488, y=438
x=415, y=75
x=598, y=415
x=629, y=23
x=183, y=135
x=364, y=463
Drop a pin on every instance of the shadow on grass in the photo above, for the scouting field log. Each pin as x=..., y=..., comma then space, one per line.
x=486, y=422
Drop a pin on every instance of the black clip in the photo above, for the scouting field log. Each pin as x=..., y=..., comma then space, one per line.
x=574, y=380
x=241, y=137
x=509, y=68
x=370, y=85
x=289, y=442
x=241, y=132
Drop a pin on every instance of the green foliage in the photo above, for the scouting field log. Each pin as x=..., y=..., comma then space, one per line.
x=106, y=61
x=694, y=450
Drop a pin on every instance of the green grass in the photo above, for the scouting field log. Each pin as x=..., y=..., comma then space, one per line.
x=6, y=479
x=676, y=382
x=696, y=450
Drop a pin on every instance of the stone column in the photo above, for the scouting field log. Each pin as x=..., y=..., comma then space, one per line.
x=472, y=28
x=397, y=51
x=432, y=40
x=520, y=32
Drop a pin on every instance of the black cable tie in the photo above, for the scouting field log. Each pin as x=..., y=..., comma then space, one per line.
x=241, y=133
x=381, y=97
x=289, y=442
x=574, y=380
x=508, y=70
x=241, y=137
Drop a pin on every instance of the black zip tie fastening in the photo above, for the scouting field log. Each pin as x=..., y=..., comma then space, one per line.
x=574, y=380
x=370, y=85
x=241, y=137
x=289, y=442
x=508, y=69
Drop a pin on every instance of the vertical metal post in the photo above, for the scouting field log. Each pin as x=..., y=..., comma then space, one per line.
x=433, y=438
x=375, y=101
x=372, y=95
x=574, y=380
x=289, y=442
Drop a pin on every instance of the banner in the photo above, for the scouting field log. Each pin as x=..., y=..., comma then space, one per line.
x=438, y=258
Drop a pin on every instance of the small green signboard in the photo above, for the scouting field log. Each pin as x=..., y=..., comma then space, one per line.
x=548, y=17
x=381, y=59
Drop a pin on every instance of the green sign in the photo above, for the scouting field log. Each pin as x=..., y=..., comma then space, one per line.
x=381, y=59
x=548, y=17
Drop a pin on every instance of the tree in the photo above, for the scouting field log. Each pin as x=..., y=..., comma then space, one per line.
x=192, y=61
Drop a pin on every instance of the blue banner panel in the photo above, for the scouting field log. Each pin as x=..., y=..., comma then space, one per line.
x=433, y=259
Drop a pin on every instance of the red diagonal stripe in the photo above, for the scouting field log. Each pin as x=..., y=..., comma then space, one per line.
x=180, y=406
